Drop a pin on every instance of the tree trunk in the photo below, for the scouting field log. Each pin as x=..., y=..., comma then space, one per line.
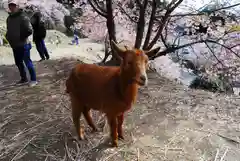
x=140, y=24
x=115, y=60
x=110, y=21
x=150, y=25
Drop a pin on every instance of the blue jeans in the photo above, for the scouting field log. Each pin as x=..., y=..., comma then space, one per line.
x=42, y=50
x=22, y=54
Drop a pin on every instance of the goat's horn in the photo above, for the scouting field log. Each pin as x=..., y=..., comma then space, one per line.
x=126, y=47
x=116, y=48
x=152, y=52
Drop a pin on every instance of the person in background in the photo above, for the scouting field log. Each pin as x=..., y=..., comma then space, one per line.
x=75, y=37
x=18, y=30
x=39, y=34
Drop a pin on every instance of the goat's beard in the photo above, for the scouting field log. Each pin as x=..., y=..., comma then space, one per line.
x=135, y=80
x=139, y=82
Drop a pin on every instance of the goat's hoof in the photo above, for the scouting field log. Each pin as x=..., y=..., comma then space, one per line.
x=81, y=134
x=94, y=130
x=120, y=137
x=81, y=137
x=115, y=144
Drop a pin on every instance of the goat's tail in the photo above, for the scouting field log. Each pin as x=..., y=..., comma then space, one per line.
x=67, y=90
x=69, y=82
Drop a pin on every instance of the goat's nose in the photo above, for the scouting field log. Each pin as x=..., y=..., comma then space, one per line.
x=143, y=78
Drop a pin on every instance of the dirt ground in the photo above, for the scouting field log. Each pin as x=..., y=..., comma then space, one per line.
x=168, y=122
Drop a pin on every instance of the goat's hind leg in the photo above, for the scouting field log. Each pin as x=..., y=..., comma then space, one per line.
x=88, y=117
x=77, y=110
x=120, y=119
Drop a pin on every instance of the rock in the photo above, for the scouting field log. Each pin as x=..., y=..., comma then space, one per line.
x=203, y=83
x=212, y=84
x=190, y=65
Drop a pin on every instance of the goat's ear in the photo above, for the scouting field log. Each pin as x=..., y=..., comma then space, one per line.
x=152, y=52
x=117, y=49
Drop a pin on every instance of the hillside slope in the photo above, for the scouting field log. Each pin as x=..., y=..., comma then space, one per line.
x=167, y=123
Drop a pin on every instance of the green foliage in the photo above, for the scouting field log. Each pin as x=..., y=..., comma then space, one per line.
x=216, y=84
x=5, y=42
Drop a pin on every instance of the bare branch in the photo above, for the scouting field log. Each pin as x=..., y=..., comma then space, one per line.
x=97, y=8
x=219, y=61
x=235, y=46
x=101, y=8
x=164, y=37
x=164, y=41
x=164, y=20
x=176, y=5
x=228, y=48
x=198, y=14
x=139, y=3
x=174, y=48
x=124, y=12
x=150, y=25
x=227, y=7
x=170, y=4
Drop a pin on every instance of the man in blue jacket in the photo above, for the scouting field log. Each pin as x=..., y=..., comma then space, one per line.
x=18, y=30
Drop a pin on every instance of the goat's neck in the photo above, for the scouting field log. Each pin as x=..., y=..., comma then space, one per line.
x=128, y=87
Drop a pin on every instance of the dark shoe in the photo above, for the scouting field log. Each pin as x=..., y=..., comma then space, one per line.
x=47, y=57
x=41, y=60
x=22, y=81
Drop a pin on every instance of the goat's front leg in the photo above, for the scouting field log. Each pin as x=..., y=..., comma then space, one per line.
x=120, y=119
x=113, y=126
x=76, y=114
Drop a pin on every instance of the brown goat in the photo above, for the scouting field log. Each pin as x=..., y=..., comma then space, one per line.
x=111, y=90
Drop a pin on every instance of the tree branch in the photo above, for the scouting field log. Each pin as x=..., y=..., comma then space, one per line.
x=164, y=41
x=140, y=24
x=150, y=25
x=198, y=14
x=139, y=3
x=228, y=48
x=174, y=48
x=97, y=8
x=101, y=8
x=164, y=20
x=124, y=12
x=219, y=61
x=164, y=37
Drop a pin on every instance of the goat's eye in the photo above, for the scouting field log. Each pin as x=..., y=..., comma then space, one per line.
x=129, y=63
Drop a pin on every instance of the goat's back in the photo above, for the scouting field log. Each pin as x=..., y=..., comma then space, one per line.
x=89, y=82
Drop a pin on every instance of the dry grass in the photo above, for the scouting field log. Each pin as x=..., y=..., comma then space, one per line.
x=168, y=123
